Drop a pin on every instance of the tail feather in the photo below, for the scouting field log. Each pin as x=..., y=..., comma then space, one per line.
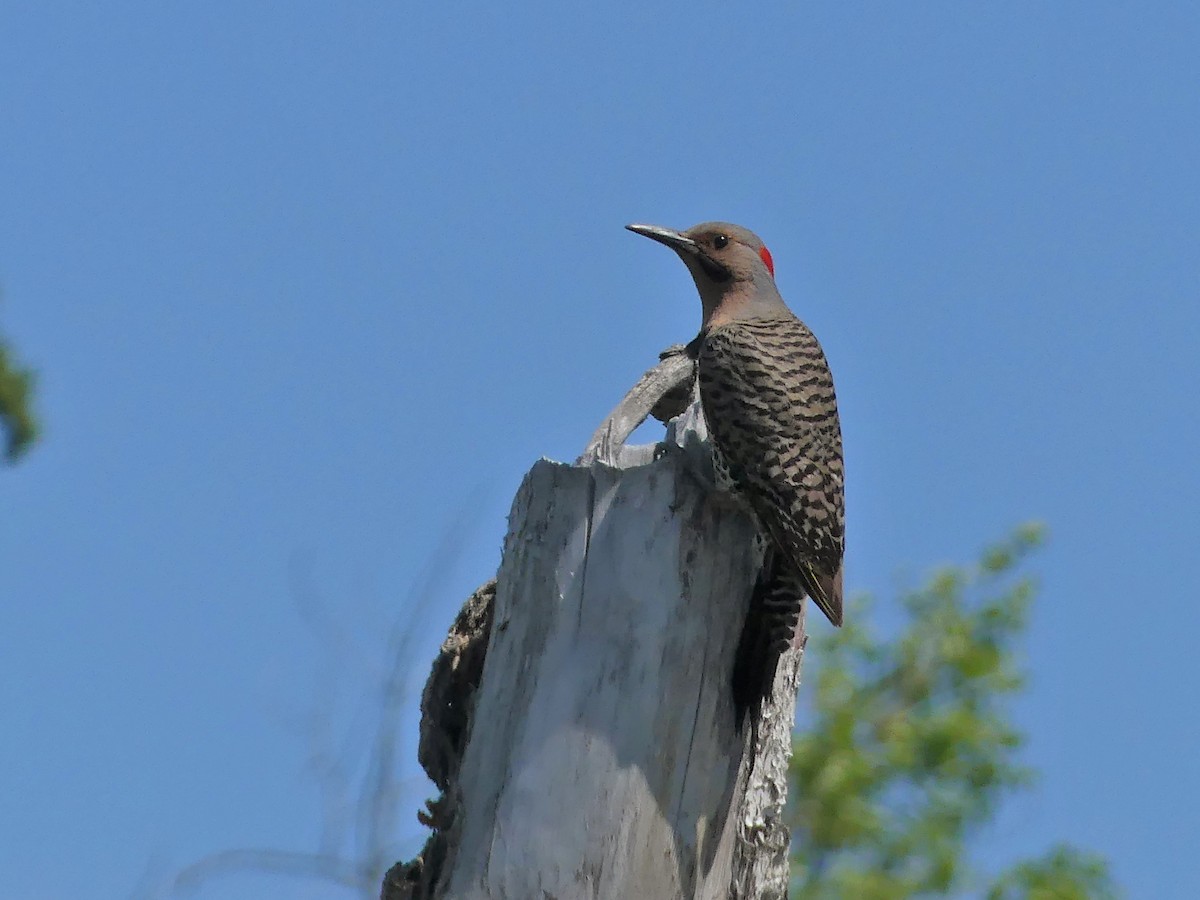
x=825, y=591
x=775, y=610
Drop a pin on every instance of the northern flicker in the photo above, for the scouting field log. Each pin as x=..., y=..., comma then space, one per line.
x=768, y=399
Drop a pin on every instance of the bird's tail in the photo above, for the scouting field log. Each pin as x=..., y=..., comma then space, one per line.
x=826, y=592
x=775, y=612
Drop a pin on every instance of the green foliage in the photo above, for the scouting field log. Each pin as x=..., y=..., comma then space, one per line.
x=1062, y=874
x=17, y=422
x=910, y=748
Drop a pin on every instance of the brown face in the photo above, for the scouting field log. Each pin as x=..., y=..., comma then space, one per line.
x=731, y=267
x=714, y=253
x=720, y=251
x=727, y=252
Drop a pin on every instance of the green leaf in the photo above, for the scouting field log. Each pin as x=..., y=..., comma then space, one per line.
x=16, y=417
x=909, y=745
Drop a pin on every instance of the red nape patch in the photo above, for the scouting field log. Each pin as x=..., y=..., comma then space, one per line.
x=766, y=257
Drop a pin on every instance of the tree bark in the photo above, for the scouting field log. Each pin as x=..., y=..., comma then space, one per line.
x=590, y=749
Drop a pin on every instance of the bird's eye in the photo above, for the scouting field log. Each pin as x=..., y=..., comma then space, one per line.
x=720, y=241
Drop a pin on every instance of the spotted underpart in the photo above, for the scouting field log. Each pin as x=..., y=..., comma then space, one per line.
x=722, y=475
x=723, y=481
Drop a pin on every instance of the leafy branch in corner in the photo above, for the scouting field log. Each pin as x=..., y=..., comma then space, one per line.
x=910, y=747
x=17, y=421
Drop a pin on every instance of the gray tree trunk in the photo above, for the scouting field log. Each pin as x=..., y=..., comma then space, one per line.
x=591, y=751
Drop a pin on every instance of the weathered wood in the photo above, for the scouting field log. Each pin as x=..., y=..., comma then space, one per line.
x=599, y=758
x=663, y=391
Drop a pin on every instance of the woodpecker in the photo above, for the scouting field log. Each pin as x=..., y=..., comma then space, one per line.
x=768, y=400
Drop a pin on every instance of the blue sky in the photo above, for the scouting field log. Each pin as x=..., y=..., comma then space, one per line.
x=310, y=286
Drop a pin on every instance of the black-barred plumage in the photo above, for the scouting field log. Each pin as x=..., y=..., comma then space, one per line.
x=769, y=402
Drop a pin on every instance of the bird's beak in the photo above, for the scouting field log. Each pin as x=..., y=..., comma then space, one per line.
x=685, y=247
x=673, y=239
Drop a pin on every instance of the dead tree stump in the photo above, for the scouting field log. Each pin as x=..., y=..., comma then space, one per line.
x=579, y=720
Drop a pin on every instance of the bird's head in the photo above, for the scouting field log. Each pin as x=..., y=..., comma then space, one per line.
x=731, y=266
